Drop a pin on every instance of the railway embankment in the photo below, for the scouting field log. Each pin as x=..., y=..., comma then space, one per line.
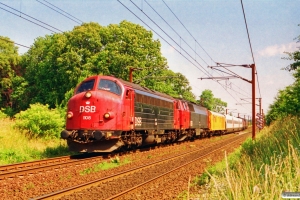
x=260, y=169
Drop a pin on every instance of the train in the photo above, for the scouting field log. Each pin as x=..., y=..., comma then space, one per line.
x=106, y=114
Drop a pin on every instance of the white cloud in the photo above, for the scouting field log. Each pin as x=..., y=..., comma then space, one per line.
x=276, y=50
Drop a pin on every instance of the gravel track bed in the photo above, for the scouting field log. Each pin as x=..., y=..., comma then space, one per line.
x=110, y=188
x=33, y=185
x=173, y=184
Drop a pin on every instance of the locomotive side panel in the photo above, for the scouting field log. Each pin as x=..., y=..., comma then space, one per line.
x=184, y=114
x=153, y=112
x=199, y=117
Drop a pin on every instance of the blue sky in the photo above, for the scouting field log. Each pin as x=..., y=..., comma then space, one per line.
x=217, y=25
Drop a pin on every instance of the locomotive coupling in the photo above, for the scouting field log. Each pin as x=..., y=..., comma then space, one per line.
x=65, y=134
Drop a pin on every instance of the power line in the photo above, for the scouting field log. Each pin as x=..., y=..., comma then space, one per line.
x=206, y=72
x=190, y=34
x=63, y=11
x=188, y=31
x=14, y=43
x=194, y=39
x=58, y=11
x=29, y=17
x=171, y=39
x=172, y=46
x=250, y=46
x=160, y=36
x=174, y=31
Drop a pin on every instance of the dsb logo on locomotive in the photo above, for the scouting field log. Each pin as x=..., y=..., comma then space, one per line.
x=87, y=109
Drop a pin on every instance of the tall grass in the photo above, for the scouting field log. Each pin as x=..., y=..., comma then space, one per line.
x=16, y=147
x=264, y=169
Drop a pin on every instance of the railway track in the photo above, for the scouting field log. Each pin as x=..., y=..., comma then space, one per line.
x=123, y=183
x=25, y=168
x=32, y=167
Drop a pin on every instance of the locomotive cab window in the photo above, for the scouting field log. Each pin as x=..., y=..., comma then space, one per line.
x=110, y=86
x=85, y=86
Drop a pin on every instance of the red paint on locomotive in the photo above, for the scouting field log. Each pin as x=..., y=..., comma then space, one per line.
x=107, y=113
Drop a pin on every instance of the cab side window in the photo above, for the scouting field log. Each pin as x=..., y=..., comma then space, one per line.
x=110, y=86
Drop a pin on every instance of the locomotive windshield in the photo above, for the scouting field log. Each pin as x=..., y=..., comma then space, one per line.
x=110, y=86
x=87, y=85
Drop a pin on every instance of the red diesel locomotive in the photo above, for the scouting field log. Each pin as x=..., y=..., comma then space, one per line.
x=107, y=113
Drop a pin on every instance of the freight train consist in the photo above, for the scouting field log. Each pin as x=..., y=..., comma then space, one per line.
x=107, y=113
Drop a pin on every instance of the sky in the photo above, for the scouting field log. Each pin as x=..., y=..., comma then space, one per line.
x=194, y=35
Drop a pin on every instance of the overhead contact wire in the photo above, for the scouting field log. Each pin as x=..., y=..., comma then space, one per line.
x=63, y=11
x=190, y=34
x=250, y=46
x=188, y=31
x=58, y=12
x=14, y=43
x=28, y=20
x=175, y=32
x=171, y=45
x=168, y=36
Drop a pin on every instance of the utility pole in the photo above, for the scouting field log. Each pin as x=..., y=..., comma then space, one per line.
x=131, y=69
x=228, y=109
x=234, y=75
x=253, y=101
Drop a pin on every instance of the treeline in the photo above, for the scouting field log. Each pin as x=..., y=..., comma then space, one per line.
x=43, y=79
x=287, y=101
x=49, y=71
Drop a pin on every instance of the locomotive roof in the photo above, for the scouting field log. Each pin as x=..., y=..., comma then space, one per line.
x=145, y=89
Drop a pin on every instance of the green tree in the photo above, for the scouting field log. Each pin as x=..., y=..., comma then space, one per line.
x=287, y=101
x=9, y=68
x=169, y=82
x=57, y=63
x=208, y=100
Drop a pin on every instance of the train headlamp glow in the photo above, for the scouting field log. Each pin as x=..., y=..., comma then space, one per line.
x=88, y=94
x=106, y=115
x=109, y=115
x=69, y=115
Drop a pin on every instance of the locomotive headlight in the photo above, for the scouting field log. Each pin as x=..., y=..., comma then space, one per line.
x=109, y=115
x=106, y=115
x=69, y=115
x=88, y=94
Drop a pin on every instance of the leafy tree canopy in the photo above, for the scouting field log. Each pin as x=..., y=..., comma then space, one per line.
x=9, y=61
x=208, y=100
x=57, y=63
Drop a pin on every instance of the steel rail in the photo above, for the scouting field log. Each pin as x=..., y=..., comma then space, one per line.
x=48, y=166
x=32, y=163
x=173, y=170
x=71, y=190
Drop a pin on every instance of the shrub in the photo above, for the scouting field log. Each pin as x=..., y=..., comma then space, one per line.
x=2, y=115
x=40, y=121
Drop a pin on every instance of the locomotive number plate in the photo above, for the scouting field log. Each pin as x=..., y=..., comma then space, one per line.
x=86, y=117
x=138, y=121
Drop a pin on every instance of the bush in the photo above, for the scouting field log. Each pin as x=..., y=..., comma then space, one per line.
x=2, y=115
x=40, y=121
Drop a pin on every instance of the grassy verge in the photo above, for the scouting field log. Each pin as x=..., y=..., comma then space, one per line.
x=113, y=163
x=260, y=169
x=16, y=147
